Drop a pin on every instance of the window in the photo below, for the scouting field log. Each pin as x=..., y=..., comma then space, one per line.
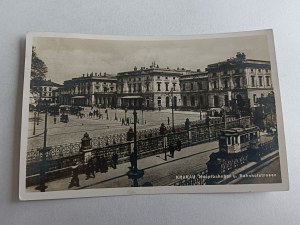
x=167, y=86
x=184, y=101
x=134, y=87
x=174, y=86
x=166, y=78
x=225, y=84
x=183, y=87
x=139, y=78
x=159, y=101
x=260, y=81
x=216, y=101
x=254, y=98
x=49, y=94
x=192, y=86
x=147, y=86
x=45, y=88
x=268, y=81
x=192, y=101
x=225, y=72
x=259, y=70
x=201, y=100
x=167, y=102
x=200, y=85
x=226, y=100
x=158, y=77
x=158, y=86
x=122, y=88
x=129, y=88
x=251, y=70
x=252, y=81
x=140, y=87
x=215, y=85
x=267, y=71
x=173, y=78
x=238, y=82
x=50, y=88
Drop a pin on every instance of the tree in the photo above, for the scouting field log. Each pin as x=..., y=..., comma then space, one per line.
x=38, y=67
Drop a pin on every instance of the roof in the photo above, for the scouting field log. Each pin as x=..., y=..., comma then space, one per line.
x=45, y=83
x=238, y=130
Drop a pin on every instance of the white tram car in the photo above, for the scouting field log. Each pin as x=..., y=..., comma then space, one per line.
x=236, y=140
x=237, y=146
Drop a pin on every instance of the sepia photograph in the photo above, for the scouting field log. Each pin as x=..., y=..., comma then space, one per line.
x=122, y=115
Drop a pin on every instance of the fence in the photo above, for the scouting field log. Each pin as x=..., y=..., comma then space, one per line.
x=149, y=142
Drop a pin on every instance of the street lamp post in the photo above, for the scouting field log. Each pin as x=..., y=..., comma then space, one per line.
x=172, y=99
x=200, y=112
x=42, y=187
x=34, y=123
x=135, y=173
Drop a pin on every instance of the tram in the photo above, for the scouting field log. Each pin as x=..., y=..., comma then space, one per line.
x=237, y=146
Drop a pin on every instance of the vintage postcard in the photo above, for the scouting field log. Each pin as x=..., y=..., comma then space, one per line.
x=122, y=115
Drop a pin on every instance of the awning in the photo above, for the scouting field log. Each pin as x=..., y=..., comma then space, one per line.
x=132, y=97
x=78, y=97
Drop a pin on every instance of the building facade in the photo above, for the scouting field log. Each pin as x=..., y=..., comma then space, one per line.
x=237, y=82
x=194, y=91
x=150, y=88
x=44, y=90
x=89, y=90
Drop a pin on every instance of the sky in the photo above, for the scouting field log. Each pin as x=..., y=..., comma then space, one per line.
x=71, y=57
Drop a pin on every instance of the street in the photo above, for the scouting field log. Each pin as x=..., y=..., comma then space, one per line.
x=158, y=172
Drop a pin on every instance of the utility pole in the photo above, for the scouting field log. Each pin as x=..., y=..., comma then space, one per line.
x=172, y=97
x=42, y=187
x=34, y=123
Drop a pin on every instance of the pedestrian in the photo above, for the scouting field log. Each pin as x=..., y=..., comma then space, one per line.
x=97, y=163
x=74, y=180
x=103, y=165
x=127, y=121
x=123, y=121
x=132, y=160
x=90, y=169
x=114, y=160
x=168, y=120
x=171, y=149
x=178, y=143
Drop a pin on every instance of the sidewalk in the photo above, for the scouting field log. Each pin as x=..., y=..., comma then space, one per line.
x=122, y=169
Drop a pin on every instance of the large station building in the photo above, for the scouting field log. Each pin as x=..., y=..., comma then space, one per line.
x=238, y=82
x=150, y=88
x=89, y=90
x=233, y=84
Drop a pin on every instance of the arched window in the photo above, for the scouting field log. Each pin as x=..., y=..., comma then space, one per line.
x=167, y=102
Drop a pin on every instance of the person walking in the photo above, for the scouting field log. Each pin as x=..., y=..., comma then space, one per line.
x=103, y=165
x=90, y=169
x=114, y=160
x=132, y=160
x=171, y=149
x=74, y=180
